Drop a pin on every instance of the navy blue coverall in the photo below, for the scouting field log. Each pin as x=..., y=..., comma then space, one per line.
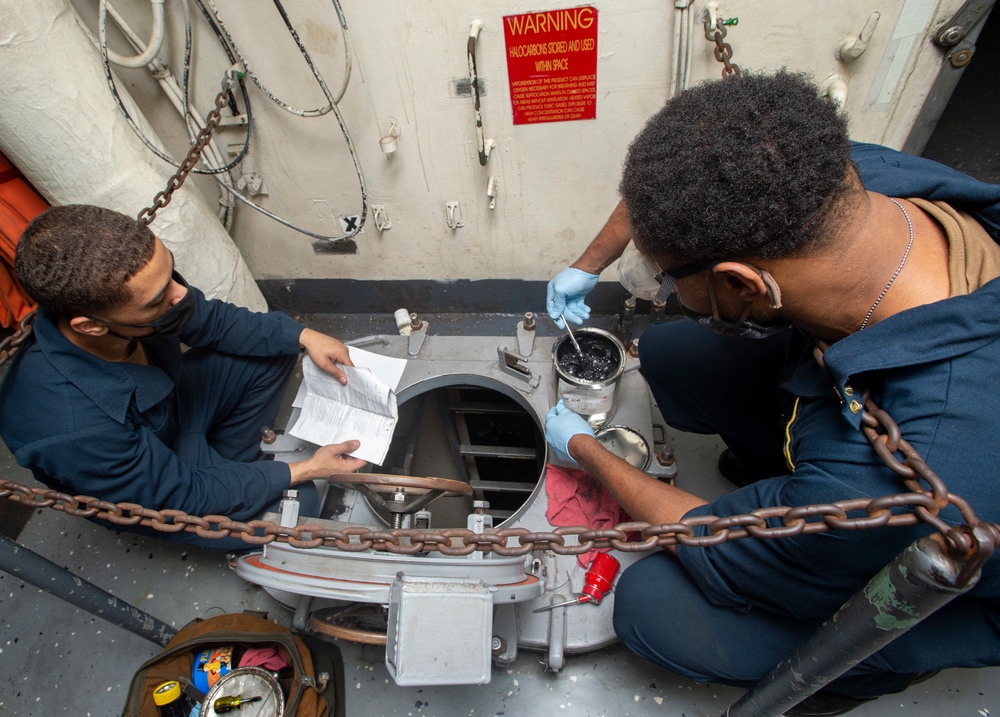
x=180, y=433
x=730, y=613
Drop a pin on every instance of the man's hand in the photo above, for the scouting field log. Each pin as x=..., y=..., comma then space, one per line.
x=565, y=295
x=326, y=352
x=326, y=461
x=561, y=424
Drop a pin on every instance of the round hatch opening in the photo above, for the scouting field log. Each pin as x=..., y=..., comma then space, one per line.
x=473, y=429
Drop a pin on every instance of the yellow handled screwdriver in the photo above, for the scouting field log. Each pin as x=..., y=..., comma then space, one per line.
x=228, y=704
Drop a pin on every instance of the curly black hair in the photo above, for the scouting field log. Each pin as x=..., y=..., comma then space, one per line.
x=751, y=165
x=75, y=260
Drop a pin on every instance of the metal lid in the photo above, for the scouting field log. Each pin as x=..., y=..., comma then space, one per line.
x=627, y=444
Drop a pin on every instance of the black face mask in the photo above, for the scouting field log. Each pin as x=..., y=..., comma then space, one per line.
x=167, y=326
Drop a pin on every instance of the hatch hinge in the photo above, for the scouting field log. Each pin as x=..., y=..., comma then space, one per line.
x=954, y=30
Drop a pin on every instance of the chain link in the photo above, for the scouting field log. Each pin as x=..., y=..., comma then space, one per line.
x=723, y=50
x=926, y=497
x=854, y=514
x=10, y=345
x=162, y=199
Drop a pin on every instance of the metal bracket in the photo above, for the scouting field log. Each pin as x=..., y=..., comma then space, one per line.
x=418, y=335
x=512, y=364
x=380, y=218
x=954, y=30
x=453, y=215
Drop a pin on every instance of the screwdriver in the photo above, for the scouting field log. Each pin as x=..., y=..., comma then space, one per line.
x=228, y=704
x=597, y=582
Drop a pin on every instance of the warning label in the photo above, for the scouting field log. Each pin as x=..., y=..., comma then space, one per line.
x=552, y=65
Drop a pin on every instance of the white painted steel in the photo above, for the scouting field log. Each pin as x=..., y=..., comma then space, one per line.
x=61, y=127
x=557, y=180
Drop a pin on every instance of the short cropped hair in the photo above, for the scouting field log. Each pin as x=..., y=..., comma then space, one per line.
x=751, y=165
x=75, y=260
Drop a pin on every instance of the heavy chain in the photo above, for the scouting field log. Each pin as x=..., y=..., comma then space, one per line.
x=10, y=345
x=723, y=50
x=973, y=539
x=162, y=199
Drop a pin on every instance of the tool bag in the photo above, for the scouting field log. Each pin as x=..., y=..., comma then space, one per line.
x=314, y=689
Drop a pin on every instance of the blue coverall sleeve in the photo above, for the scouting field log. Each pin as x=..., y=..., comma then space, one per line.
x=126, y=463
x=236, y=330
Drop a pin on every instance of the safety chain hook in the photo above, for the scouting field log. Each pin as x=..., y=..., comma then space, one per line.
x=162, y=199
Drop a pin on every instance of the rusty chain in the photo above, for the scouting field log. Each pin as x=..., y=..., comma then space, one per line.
x=975, y=539
x=723, y=50
x=880, y=429
x=163, y=198
x=10, y=345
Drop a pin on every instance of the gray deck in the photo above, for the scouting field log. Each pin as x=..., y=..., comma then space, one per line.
x=55, y=659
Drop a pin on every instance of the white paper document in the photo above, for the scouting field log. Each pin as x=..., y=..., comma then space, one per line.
x=364, y=409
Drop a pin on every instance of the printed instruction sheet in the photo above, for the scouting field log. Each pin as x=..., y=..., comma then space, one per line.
x=364, y=410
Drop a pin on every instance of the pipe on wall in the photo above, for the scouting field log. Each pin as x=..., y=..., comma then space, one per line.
x=61, y=127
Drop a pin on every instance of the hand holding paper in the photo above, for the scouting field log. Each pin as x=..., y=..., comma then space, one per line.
x=364, y=409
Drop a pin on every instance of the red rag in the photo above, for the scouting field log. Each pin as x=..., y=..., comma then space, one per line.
x=267, y=657
x=577, y=498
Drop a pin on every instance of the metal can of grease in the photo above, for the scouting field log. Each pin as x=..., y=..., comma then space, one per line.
x=586, y=380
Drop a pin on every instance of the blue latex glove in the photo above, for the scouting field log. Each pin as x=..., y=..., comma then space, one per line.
x=565, y=295
x=561, y=424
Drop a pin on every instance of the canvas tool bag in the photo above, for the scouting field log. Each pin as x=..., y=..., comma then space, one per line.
x=314, y=688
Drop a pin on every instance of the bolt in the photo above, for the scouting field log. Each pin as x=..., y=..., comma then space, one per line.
x=268, y=435
x=291, y=494
x=415, y=322
x=399, y=496
x=962, y=57
x=659, y=306
x=952, y=35
x=498, y=644
x=529, y=321
x=480, y=506
x=666, y=456
x=633, y=348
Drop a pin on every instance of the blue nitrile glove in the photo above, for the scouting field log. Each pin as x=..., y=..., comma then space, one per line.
x=561, y=424
x=565, y=295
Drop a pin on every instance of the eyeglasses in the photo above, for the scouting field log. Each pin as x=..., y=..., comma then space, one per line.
x=645, y=280
x=668, y=280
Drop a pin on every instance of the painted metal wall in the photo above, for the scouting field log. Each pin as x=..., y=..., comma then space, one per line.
x=556, y=181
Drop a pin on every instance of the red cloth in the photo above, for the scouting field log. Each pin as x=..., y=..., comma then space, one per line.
x=577, y=498
x=267, y=657
x=19, y=204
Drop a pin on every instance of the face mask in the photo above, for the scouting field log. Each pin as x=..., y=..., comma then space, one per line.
x=167, y=326
x=741, y=327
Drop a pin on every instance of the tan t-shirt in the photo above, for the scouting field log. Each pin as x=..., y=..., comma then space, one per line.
x=973, y=256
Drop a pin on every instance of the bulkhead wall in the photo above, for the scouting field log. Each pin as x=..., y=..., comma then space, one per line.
x=554, y=183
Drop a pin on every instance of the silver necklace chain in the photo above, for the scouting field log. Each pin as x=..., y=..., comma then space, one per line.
x=898, y=268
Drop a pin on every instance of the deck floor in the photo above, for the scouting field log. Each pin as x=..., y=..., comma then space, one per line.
x=56, y=659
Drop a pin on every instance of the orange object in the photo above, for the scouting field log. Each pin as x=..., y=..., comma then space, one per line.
x=19, y=204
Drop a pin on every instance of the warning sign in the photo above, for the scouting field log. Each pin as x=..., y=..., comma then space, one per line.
x=552, y=64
